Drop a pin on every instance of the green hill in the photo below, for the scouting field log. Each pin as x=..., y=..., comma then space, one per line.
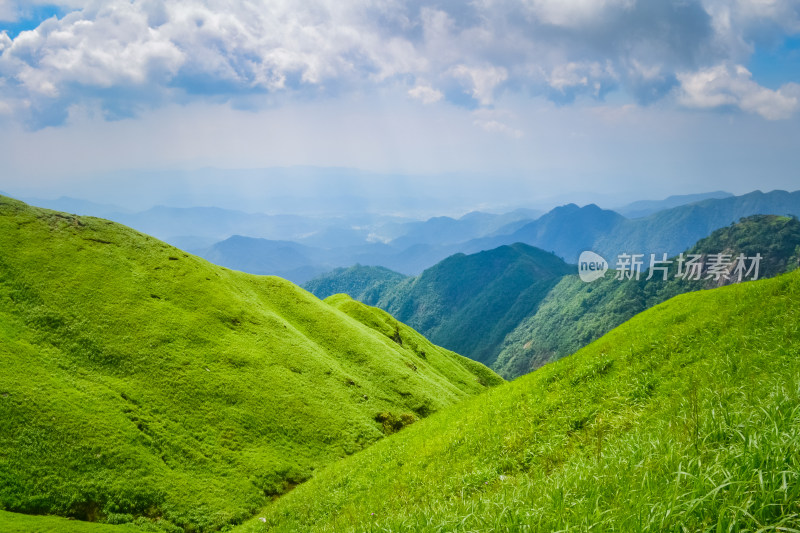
x=366, y=284
x=685, y=418
x=469, y=303
x=576, y=313
x=384, y=323
x=140, y=383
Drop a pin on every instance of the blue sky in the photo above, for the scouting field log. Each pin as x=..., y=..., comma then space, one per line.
x=774, y=65
x=26, y=18
x=496, y=102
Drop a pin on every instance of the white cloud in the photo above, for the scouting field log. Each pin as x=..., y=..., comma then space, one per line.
x=573, y=13
x=5, y=41
x=205, y=46
x=425, y=94
x=581, y=75
x=495, y=126
x=740, y=25
x=114, y=48
x=137, y=54
x=785, y=13
x=724, y=86
x=8, y=11
x=481, y=81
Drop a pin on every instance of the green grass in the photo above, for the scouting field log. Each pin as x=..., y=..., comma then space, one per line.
x=138, y=382
x=20, y=523
x=685, y=418
x=407, y=337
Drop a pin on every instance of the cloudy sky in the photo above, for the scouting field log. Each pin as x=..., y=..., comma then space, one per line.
x=496, y=102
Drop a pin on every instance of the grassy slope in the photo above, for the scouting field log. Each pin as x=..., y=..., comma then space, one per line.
x=139, y=380
x=576, y=313
x=687, y=417
x=384, y=323
x=20, y=523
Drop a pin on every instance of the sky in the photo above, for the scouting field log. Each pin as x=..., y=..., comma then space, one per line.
x=448, y=105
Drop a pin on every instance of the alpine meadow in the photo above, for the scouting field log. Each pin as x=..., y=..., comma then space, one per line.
x=416, y=266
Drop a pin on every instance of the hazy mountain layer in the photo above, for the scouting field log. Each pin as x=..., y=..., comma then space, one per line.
x=569, y=230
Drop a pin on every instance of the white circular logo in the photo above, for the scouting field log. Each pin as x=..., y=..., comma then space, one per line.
x=591, y=266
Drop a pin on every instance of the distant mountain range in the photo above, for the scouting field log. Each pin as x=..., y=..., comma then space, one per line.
x=448, y=231
x=212, y=224
x=566, y=231
x=643, y=208
x=298, y=247
x=515, y=307
x=302, y=247
x=569, y=230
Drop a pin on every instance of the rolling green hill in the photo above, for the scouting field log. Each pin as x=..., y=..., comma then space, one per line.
x=685, y=418
x=576, y=313
x=140, y=383
x=22, y=523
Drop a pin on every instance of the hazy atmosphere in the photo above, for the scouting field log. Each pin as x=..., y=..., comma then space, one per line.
x=341, y=106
